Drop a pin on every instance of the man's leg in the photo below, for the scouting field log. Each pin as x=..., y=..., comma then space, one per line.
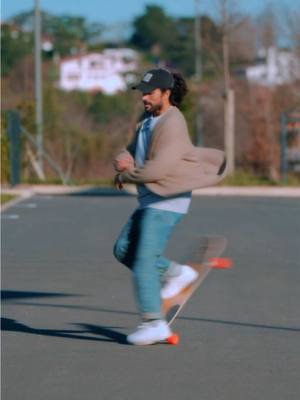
x=124, y=248
x=153, y=229
x=140, y=247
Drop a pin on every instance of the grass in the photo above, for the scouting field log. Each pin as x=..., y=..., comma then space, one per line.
x=243, y=178
x=5, y=198
x=240, y=178
x=74, y=182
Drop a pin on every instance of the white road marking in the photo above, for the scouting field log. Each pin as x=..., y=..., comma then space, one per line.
x=10, y=216
x=26, y=205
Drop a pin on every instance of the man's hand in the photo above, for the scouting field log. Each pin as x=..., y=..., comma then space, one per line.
x=117, y=182
x=124, y=162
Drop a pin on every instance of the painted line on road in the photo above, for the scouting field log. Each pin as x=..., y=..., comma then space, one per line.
x=10, y=216
x=26, y=205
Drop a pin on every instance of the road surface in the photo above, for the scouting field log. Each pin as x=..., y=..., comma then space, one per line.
x=68, y=305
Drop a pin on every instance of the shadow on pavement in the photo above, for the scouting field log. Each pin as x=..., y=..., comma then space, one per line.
x=193, y=319
x=15, y=297
x=106, y=332
x=7, y=295
x=242, y=324
x=75, y=307
x=109, y=334
x=106, y=192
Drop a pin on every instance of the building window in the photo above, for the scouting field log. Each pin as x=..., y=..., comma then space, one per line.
x=73, y=77
x=96, y=65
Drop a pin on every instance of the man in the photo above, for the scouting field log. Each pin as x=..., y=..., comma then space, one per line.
x=166, y=167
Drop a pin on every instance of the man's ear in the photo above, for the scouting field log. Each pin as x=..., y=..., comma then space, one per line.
x=167, y=93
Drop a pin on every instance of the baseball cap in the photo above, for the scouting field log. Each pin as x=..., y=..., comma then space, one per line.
x=155, y=79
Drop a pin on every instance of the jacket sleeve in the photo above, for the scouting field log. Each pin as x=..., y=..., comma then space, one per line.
x=123, y=153
x=129, y=150
x=170, y=148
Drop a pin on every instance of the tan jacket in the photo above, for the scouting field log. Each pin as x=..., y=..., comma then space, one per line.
x=173, y=164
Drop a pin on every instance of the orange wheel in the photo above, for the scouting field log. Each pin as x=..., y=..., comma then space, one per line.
x=173, y=339
x=221, y=262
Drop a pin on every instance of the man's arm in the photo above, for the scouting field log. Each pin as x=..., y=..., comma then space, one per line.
x=124, y=161
x=170, y=149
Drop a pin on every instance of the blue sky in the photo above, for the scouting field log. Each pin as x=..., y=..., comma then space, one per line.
x=114, y=11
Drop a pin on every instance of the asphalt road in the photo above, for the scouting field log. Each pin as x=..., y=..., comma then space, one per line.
x=68, y=304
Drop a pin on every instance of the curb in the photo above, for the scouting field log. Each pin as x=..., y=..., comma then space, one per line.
x=234, y=191
x=25, y=192
x=255, y=191
x=21, y=197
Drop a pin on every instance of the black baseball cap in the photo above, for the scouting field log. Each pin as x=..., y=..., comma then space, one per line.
x=155, y=79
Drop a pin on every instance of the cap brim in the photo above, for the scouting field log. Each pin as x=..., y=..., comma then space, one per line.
x=143, y=87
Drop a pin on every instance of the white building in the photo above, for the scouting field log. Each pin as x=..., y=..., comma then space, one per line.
x=109, y=71
x=277, y=67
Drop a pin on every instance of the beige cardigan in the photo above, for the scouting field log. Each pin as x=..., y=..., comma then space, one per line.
x=173, y=165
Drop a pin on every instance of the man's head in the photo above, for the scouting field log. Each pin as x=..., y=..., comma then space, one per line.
x=160, y=89
x=156, y=86
x=155, y=79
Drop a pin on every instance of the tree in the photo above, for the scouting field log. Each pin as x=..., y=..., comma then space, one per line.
x=68, y=32
x=267, y=29
x=172, y=40
x=292, y=29
x=152, y=29
x=181, y=51
x=230, y=21
x=15, y=44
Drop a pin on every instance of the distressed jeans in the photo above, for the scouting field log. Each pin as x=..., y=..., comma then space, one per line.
x=140, y=247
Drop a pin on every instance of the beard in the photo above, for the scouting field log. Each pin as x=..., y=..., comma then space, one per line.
x=153, y=108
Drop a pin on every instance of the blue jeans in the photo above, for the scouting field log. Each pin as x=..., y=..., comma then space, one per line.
x=140, y=246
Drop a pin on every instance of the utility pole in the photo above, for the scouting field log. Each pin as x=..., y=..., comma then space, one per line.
x=198, y=66
x=229, y=101
x=38, y=87
x=198, y=72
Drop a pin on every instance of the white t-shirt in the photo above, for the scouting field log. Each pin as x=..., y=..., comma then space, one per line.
x=178, y=203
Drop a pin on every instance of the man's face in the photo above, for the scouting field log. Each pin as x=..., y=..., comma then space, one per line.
x=154, y=101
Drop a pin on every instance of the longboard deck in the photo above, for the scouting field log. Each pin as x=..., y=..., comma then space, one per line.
x=204, y=260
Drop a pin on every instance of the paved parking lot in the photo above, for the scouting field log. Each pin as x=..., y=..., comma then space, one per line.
x=68, y=304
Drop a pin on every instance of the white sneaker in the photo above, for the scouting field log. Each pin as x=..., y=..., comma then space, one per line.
x=150, y=332
x=175, y=284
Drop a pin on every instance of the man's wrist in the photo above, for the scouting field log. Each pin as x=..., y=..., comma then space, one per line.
x=120, y=178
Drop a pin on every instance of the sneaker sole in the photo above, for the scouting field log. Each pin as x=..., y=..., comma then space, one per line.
x=174, y=340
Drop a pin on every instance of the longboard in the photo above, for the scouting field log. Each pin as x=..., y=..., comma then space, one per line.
x=206, y=257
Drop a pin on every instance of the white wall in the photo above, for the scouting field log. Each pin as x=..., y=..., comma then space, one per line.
x=104, y=71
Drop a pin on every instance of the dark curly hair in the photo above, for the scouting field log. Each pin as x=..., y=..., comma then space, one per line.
x=179, y=90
